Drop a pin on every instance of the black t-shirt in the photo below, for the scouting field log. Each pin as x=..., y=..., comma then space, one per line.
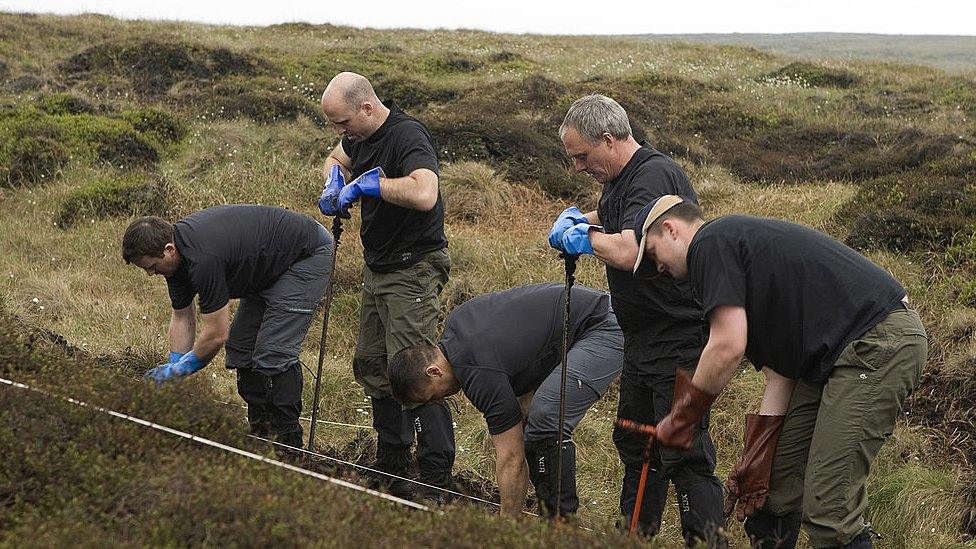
x=503, y=345
x=806, y=295
x=661, y=321
x=236, y=250
x=395, y=237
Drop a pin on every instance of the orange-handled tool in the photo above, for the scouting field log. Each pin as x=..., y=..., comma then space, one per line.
x=643, y=429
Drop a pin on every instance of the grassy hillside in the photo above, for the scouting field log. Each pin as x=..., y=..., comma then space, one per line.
x=952, y=53
x=103, y=119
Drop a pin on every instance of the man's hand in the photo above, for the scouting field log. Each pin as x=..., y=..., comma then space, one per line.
x=186, y=365
x=329, y=200
x=367, y=184
x=689, y=406
x=570, y=216
x=748, y=482
x=576, y=239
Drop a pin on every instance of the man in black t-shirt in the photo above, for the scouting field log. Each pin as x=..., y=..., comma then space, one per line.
x=389, y=160
x=503, y=350
x=661, y=322
x=277, y=262
x=836, y=340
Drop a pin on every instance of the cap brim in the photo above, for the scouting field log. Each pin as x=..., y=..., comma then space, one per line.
x=659, y=208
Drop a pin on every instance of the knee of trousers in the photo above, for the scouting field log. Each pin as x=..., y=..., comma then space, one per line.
x=629, y=447
x=370, y=373
x=238, y=356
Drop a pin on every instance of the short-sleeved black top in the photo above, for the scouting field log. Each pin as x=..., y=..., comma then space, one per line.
x=503, y=345
x=395, y=237
x=236, y=250
x=806, y=295
x=662, y=309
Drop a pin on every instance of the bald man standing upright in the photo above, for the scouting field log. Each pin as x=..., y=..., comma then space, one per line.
x=389, y=159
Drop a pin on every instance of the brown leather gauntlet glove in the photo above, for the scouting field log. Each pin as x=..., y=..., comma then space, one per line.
x=749, y=480
x=690, y=404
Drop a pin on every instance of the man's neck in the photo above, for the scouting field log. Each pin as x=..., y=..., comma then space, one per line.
x=382, y=114
x=625, y=150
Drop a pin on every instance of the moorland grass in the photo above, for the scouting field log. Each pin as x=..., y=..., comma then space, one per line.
x=897, y=141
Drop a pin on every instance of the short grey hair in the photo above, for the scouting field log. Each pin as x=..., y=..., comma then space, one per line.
x=594, y=115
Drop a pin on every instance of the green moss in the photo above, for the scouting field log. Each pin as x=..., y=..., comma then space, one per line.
x=34, y=145
x=910, y=213
x=153, y=67
x=410, y=92
x=65, y=103
x=31, y=160
x=813, y=75
x=449, y=63
x=116, y=197
x=161, y=127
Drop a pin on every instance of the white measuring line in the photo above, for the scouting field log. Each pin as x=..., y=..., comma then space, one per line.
x=356, y=465
x=306, y=419
x=220, y=446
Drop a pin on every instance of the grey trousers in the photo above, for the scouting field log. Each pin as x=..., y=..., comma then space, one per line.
x=270, y=326
x=592, y=363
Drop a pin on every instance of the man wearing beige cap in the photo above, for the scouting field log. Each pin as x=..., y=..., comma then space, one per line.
x=839, y=347
x=661, y=322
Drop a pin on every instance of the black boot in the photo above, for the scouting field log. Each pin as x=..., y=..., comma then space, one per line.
x=768, y=531
x=541, y=456
x=253, y=388
x=436, y=482
x=285, y=405
x=394, y=459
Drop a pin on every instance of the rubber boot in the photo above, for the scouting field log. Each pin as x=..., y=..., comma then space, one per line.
x=768, y=531
x=541, y=455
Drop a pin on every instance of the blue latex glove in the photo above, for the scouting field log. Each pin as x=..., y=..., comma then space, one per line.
x=570, y=216
x=186, y=365
x=576, y=240
x=175, y=357
x=367, y=184
x=329, y=200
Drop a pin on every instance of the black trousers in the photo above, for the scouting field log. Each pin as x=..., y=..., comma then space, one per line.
x=274, y=402
x=647, y=399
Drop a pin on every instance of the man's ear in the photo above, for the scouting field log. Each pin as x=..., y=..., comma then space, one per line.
x=367, y=108
x=433, y=371
x=169, y=247
x=669, y=228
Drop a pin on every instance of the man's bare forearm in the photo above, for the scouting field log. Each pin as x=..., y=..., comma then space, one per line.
x=182, y=330
x=512, y=475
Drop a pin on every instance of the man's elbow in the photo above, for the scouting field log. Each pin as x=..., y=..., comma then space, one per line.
x=428, y=199
x=729, y=351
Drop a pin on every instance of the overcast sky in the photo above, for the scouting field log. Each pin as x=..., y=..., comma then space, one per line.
x=558, y=17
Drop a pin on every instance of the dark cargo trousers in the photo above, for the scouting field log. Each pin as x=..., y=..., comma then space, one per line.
x=646, y=398
x=265, y=340
x=831, y=434
x=399, y=309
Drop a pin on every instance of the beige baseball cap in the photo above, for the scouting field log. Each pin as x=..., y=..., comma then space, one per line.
x=647, y=216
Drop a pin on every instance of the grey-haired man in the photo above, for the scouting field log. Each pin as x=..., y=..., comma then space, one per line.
x=662, y=324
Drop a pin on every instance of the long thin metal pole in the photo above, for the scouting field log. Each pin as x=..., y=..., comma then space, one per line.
x=327, y=307
x=570, y=263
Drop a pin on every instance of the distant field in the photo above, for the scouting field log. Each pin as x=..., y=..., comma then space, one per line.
x=952, y=53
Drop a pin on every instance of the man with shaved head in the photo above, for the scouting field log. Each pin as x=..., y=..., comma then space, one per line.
x=389, y=160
